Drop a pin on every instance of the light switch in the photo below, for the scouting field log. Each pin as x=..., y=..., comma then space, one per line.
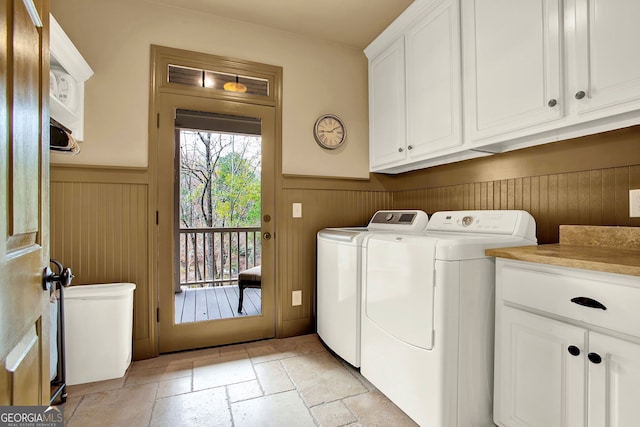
x=297, y=210
x=296, y=298
x=634, y=203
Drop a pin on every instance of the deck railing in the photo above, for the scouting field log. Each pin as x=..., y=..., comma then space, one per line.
x=214, y=256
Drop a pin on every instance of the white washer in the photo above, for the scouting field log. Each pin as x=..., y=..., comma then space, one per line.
x=428, y=314
x=339, y=278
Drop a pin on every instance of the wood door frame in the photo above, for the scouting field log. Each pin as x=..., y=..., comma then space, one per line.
x=161, y=57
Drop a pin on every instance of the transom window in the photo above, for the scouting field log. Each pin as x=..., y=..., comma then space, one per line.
x=218, y=80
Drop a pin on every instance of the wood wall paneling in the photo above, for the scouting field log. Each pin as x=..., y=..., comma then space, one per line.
x=100, y=215
x=99, y=228
x=321, y=208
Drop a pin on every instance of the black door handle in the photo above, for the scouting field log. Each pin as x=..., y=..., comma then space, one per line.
x=63, y=278
x=588, y=302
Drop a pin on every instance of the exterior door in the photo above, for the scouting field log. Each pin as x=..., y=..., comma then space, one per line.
x=177, y=335
x=24, y=208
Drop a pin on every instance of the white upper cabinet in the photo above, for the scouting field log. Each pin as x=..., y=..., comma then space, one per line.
x=387, y=106
x=67, y=75
x=607, y=64
x=512, y=65
x=433, y=81
x=415, y=88
x=537, y=71
x=533, y=72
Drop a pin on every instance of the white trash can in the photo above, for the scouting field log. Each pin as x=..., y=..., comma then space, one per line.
x=98, y=322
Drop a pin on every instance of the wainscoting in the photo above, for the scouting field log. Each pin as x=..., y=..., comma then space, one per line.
x=100, y=217
x=582, y=181
x=296, y=256
x=99, y=228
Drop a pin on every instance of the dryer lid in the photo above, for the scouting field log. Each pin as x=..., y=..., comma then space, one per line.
x=399, y=286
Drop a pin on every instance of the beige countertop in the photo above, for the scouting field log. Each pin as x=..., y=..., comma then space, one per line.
x=599, y=248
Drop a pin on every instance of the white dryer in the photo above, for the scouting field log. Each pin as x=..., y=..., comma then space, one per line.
x=428, y=314
x=338, y=278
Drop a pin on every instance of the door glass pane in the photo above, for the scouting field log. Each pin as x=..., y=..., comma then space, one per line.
x=218, y=215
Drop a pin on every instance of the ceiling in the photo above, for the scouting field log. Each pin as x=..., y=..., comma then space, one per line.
x=352, y=22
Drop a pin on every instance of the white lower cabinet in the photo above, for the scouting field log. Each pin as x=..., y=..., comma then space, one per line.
x=555, y=364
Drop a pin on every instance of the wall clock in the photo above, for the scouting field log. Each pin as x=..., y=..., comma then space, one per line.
x=329, y=131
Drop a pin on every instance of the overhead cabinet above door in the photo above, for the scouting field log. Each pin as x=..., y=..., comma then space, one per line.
x=537, y=71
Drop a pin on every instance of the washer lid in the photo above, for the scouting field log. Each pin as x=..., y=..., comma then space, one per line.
x=347, y=235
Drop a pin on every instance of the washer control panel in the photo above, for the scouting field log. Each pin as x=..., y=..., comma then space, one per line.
x=505, y=222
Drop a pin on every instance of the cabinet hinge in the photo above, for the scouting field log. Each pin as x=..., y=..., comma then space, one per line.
x=158, y=314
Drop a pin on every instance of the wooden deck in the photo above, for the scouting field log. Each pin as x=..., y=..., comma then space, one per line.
x=219, y=302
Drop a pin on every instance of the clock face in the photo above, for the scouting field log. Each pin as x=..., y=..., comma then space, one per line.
x=329, y=131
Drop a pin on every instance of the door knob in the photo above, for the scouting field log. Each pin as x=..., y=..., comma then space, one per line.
x=266, y=236
x=63, y=278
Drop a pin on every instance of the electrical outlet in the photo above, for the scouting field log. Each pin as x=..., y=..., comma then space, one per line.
x=634, y=203
x=296, y=298
x=297, y=210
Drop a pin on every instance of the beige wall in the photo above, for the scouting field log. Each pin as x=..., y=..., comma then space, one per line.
x=115, y=36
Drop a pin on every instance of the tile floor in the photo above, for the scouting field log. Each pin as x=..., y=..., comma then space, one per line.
x=281, y=382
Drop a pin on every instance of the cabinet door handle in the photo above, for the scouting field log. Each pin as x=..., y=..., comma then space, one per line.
x=552, y=103
x=400, y=150
x=410, y=147
x=580, y=94
x=588, y=302
x=594, y=358
x=573, y=350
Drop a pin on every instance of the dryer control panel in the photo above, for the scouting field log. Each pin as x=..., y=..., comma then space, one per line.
x=409, y=220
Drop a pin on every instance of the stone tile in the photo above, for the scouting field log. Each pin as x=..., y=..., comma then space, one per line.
x=174, y=386
x=333, y=414
x=222, y=371
x=283, y=409
x=70, y=406
x=244, y=391
x=233, y=350
x=144, y=376
x=273, y=378
x=200, y=408
x=320, y=378
x=268, y=353
x=374, y=409
x=165, y=360
x=130, y=406
x=95, y=387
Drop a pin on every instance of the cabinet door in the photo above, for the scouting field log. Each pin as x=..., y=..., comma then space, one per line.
x=538, y=382
x=614, y=383
x=512, y=70
x=608, y=66
x=387, y=106
x=434, y=81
